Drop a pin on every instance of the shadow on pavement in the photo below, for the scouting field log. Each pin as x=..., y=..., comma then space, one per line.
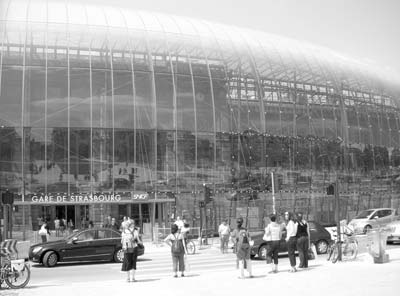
x=192, y=275
x=147, y=280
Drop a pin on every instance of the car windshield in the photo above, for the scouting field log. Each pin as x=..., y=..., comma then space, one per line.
x=364, y=214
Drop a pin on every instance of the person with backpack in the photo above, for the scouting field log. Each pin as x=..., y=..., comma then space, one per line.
x=130, y=240
x=242, y=246
x=176, y=240
x=274, y=231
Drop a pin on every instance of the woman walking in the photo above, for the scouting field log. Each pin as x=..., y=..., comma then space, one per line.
x=129, y=239
x=176, y=240
x=274, y=230
x=291, y=231
x=303, y=240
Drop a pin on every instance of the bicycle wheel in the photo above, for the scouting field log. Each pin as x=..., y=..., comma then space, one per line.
x=191, y=248
x=335, y=253
x=351, y=251
x=18, y=279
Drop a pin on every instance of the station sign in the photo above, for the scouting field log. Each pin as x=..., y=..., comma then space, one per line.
x=92, y=198
x=87, y=198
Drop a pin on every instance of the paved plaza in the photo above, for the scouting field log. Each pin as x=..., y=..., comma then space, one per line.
x=359, y=277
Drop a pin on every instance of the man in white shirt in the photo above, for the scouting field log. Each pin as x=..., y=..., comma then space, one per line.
x=224, y=231
x=179, y=222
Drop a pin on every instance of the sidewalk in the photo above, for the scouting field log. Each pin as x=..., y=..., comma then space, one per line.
x=359, y=277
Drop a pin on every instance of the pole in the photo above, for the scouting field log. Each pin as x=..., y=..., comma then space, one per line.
x=10, y=215
x=5, y=212
x=273, y=193
x=337, y=207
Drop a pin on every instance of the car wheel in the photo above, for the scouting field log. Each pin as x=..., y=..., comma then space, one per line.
x=119, y=256
x=50, y=259
x=322, y=246
x=367, y=228
x=262, y=252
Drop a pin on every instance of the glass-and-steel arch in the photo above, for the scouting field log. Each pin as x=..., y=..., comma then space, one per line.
x=103, y=99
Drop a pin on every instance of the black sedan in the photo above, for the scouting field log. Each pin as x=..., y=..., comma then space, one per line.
x=319, y=236
x=84, y=245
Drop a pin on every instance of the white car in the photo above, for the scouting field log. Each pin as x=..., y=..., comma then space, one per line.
x=394, y=234
x=373, y=218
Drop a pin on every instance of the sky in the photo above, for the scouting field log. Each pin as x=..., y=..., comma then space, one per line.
x=366, y=30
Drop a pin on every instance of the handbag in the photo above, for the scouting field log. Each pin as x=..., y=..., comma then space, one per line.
x=310, y=254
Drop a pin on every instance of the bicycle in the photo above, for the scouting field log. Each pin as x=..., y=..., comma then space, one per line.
x=14, y=272
x=349, y=249
x=190, y=247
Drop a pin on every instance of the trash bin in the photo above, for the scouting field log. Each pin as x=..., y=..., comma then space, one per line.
x=376, y=245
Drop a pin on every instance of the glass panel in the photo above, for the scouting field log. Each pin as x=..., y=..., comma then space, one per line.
x=80, y=98
x=80, y=159
x=57, y=164
x=57, y=97
x=11, y=96
x=165, y=101
x=35, y=93
x=123, y=101
x=144, y=101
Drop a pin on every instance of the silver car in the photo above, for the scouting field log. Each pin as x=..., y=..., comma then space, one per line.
x=373, y=218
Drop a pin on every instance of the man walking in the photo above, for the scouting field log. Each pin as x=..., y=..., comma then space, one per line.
x=224, y=231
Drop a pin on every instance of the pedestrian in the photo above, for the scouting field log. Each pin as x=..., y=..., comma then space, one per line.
x=179, y=222
x=243, y=247
x=114, y=224
x=107, y=223
x=39, y=222
x=274, y=230
x=57, y=226
x=224, y=231
x=70, y=226
x=62, y=225
x=303, y=240
x=130, y=239
x=291, y=240
x=44, y=232
x=91, y=225
x=176, y=240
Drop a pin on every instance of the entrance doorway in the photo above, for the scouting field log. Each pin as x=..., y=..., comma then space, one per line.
x=67, y=213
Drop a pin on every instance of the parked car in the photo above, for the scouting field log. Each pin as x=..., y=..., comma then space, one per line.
x=84, y=245
x=318, y=236
x=373, y=218
x=394, y=234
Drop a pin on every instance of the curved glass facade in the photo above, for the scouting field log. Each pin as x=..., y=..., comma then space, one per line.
x=103, y=100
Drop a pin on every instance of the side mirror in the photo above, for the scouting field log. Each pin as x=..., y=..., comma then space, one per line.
x=74, y=240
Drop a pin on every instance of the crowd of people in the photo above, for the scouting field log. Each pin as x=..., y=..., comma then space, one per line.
x=294, y=229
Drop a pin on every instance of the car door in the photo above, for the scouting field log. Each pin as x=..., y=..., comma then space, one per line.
x=373, y=219
x=106, y=243
x=80, y=247
x=385, y=219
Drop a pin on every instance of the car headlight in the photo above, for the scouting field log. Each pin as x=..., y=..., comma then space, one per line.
x=36, y=250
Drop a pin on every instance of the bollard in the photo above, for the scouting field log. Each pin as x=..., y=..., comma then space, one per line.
x=377, y=245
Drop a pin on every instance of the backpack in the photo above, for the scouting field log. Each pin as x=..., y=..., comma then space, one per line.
x=177, y=247
x=243, y=242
